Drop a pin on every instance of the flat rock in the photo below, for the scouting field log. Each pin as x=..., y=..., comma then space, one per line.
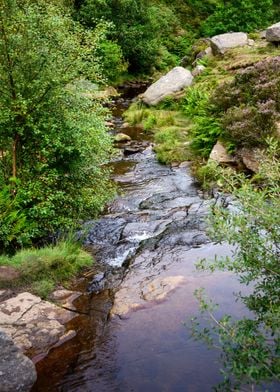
x=17, y=372
x=222, y=42
x=159, y=288
x=273, y=33
x=34, y=324
x=173, y=82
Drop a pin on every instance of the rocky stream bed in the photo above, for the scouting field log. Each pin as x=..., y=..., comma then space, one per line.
x=125, y=331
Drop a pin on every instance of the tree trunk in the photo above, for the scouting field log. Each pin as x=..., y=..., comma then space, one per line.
x=14, y=154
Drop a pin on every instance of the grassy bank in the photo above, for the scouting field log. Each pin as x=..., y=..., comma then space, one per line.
x=40, y=270
x=187, y=127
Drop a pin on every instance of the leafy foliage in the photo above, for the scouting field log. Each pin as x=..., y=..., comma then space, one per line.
x=149, y=33
x=206, y=128
x=250, y=346
x=15, y=230
x=52, y=135
x=238, y=15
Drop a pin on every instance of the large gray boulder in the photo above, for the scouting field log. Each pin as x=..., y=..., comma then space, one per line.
x=175, y=80
x=273, y=33
x=222, y=42
x=17, y=372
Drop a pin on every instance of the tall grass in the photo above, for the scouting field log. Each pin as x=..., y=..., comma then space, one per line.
x=41, y=269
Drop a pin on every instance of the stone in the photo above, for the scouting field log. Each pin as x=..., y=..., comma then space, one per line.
x=8, y=273
x=132, y=150
x=222, y=42
x=273, y=33
x=250, y=158
x=199, y=69
x=122, y=138
x=208, y=52
x=125, y=125
x=251, y=42
x=173, y=82
x=220, y=155
x=159, y=288
x=17, y=372
x=33, y=323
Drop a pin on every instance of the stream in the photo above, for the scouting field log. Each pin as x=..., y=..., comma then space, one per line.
x=132, y=331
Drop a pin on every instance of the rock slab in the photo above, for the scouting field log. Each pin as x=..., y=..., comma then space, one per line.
x=174, y=81
x=222, y=42
x=273, y=33
x=17, y=372
x=34, y=324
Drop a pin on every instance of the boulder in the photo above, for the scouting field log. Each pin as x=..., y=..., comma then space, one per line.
x=250, y=158
x=174, y=81
x=34, y=324
x=220, y=155
x=205, y=53
x=222, y=42
x=17, y=372
x=198, y=70
x=122, y=138
x=273, y=33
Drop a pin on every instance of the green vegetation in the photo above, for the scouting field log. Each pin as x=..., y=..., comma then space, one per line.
x=40, y=270
x=169, y=127
x=249, y=346
x=239, y=15
x=52, y=136
x=54, y=57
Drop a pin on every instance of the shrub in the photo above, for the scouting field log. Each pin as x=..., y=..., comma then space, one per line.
x=249, y=346
x=15, y=229
x=249, y=106
x=206, y=128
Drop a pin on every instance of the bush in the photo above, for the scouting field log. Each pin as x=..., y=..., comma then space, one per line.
x=249, y=106
x=15, y=230
x=250, y=345
x=206, y=127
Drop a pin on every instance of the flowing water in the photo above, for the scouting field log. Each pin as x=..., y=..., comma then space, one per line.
x=133, y=328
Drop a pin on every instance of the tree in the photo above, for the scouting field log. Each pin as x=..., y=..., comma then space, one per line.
x=53, y=138
x=238, y=15
x=249, y=346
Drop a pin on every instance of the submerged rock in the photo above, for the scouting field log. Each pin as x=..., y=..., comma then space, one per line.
x=17, y=372
x=159, y=288
x=222, y=42
x=174, y=81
